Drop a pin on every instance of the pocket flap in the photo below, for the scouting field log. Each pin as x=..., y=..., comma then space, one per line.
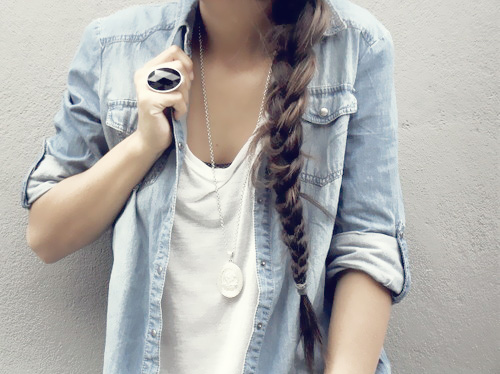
x=122, y=115
x=327, y=104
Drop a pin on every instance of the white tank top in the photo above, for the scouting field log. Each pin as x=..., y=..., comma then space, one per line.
x=203, y=331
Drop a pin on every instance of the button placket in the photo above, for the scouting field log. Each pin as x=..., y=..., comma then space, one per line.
x=261, y=220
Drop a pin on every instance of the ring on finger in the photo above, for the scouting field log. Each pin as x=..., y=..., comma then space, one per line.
x=164, y=79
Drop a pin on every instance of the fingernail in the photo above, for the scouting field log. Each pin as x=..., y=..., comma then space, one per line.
x=192, y=75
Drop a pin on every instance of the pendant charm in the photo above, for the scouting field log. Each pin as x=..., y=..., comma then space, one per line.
x=230, y=281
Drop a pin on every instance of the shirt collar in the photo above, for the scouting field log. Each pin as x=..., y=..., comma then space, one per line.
x=187, y=11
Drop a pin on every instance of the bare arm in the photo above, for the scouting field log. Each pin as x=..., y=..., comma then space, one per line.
x=78, y=209
x=360, y=316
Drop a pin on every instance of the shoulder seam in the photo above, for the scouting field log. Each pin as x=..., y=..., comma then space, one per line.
x=98, y=31
x=367, y=36
x=369, y=47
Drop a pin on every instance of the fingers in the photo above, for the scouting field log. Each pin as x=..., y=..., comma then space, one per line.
x=181, y=108
x=153, y=104
x=143, y=73
x=153, y=124
x=176, y=65
x=143, y=87
x=156, y=103
x=172, y=53
x=175, y=100
x=179, y=101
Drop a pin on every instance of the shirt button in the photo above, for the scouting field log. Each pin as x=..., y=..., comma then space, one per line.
x=153, y=333
x=263, y=263
x=160, y=270
x=259, y=325
x=260, y=200
x=324, y=112
x=180, y=145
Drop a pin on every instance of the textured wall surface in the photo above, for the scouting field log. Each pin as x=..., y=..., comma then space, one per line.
x=52, y=317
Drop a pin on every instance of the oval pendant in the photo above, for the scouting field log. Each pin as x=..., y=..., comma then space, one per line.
x=230, y=281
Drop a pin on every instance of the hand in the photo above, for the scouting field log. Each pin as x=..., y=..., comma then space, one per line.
x=153, y=126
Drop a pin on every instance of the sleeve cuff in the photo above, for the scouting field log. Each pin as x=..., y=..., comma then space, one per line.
x=41, y=177
x=381, y=256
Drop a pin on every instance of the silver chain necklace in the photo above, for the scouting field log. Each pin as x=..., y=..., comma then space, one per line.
x=230, y=280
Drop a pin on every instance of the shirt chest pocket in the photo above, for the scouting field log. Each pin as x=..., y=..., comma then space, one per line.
x=121, y=121
x=325, y=123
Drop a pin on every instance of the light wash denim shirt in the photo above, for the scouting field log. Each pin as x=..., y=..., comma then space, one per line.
x=350, y=130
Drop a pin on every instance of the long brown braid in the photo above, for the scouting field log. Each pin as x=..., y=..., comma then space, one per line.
x=297, y=26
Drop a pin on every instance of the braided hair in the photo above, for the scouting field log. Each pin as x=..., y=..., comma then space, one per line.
x=296, y=26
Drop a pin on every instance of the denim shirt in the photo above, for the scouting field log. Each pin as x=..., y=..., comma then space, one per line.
x=350, y=131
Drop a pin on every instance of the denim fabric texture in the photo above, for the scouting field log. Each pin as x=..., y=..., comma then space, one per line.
x=350, y=130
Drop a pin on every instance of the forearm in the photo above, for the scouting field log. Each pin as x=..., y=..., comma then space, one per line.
x=358, y=324
x=75, y=212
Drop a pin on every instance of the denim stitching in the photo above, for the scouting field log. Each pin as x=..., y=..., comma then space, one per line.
x=136, y=37
x=321, y=181
x=119, y=105
x=330, y=89
x=41, y=155
x=403, y=248
x=348, y=109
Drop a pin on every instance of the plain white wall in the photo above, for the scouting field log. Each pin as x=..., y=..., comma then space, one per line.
x=52, y=317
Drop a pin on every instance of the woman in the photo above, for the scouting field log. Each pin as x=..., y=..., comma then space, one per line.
x=245, y=154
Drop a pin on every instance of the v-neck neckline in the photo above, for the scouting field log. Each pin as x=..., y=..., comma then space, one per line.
x=222, y=174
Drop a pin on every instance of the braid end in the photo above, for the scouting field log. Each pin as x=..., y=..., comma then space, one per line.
x=309, y=329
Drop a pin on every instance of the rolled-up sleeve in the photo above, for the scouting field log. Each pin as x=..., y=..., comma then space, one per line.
x=369, y=228
x=78, y=142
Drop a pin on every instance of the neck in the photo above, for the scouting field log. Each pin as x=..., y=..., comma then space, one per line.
x=234, y=29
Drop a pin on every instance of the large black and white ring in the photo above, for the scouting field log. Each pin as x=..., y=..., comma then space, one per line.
x=165, y=79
